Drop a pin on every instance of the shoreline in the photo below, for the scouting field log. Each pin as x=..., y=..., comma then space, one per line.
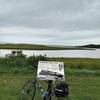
x=41, y=47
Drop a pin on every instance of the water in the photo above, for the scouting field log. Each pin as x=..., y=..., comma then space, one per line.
x=58, y=53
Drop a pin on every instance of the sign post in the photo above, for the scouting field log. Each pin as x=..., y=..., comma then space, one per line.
x=49, y=88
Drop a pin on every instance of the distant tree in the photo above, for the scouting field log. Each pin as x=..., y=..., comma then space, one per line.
x=91, y=46
x=13, y=53
x=19, y=53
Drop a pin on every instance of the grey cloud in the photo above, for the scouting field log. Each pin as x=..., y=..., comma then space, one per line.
x=58, y=14
x=62, y=19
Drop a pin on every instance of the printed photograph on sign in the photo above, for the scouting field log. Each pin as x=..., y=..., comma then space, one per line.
x=50, y=70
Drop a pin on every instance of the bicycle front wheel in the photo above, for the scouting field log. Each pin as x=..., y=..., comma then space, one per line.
x=28, y=91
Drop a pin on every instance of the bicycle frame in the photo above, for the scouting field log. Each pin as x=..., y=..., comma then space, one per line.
x=49, y=92
x=44, y=94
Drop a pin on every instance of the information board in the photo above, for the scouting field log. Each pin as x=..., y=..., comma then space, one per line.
x=50, y=70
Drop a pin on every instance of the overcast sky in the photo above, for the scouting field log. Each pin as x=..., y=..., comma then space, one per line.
x=53, y=22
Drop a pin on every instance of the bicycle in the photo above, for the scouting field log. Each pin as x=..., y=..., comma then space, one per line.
x=30, y=88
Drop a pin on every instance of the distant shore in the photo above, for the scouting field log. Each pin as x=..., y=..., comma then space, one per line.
x=42, y=47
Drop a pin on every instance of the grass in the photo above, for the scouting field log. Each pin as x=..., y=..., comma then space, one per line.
x=82, y=75
x=10, y=85
x=83, y=87
x=80, y=63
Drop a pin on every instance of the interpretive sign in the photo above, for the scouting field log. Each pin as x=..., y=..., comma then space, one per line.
x=50, y=70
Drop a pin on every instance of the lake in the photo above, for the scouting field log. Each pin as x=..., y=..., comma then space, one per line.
x=58, y=53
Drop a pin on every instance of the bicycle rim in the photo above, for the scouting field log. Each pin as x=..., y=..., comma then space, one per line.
x=28, y=91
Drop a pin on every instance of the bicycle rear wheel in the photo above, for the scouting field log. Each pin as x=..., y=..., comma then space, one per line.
x=28, y=91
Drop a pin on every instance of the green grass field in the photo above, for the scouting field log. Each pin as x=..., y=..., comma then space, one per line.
x=82, y=75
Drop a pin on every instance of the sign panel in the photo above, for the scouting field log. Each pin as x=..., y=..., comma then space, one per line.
x=50, y=70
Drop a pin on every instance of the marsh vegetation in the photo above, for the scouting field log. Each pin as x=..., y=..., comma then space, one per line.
x=82, y=75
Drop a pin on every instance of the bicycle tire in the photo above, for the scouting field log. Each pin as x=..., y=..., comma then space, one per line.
x=28, y=90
